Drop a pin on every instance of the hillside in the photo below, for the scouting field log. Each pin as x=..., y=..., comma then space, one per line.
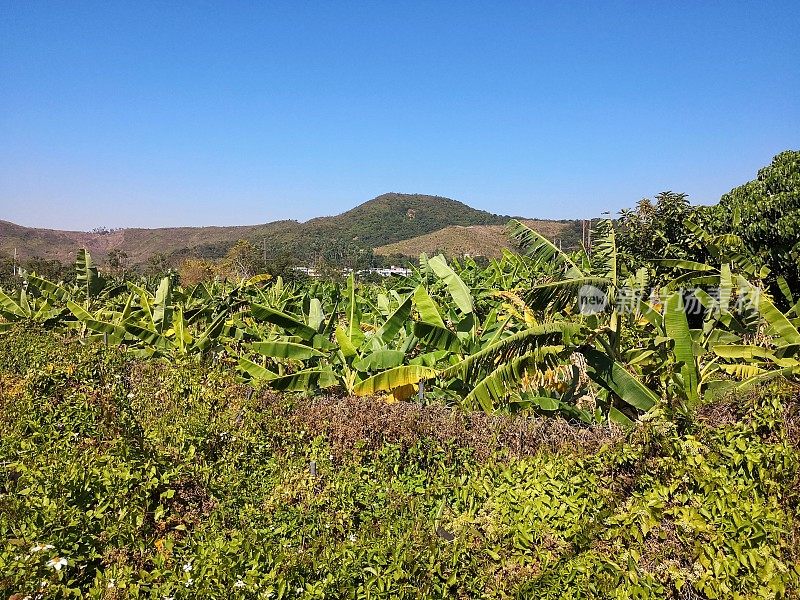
x=479, y=240
x=393, y=223
x=139, y=244
x=394, y=217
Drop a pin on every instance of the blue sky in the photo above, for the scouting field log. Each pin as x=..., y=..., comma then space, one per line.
x=200, y=113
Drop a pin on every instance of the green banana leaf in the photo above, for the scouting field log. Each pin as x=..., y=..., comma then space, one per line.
x=455, y=286
x=494, y=389
x=162, y=307
x=540, y=249
x=427, y=308
x=510, y=347
x=87, y=274
x=433, y=336
x=287, y=322
x=256, y=371
x=779, y=323
x=380, y=360
x=304, y=381
x=677, y=328
x=345, y=343
x=613, y=376
x=9, y=308
x=48, y=288
x=149, y=337
x=393, y=378
x=395, y=322
x=211, y=333
x=287, y=350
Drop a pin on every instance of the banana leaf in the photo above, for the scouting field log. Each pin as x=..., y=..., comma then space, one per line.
x=283, y=349
x=613, y=376
x=393, y=378
x=455, y=286
x=287, y=322
x=677, y=328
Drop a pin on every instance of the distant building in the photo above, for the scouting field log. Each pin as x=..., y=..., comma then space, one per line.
x=393, y=271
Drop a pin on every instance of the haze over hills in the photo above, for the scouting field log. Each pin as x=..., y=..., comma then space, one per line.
x=393, y=223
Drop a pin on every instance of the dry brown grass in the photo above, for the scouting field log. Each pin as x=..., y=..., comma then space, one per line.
x=720, y=413
x=368, y=423
x=475, y=240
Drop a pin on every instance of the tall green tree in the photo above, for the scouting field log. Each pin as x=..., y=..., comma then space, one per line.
x=765, y=214
x=655, y=229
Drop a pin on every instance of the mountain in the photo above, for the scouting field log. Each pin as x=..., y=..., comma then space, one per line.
x=394, y=217
x=384, y=220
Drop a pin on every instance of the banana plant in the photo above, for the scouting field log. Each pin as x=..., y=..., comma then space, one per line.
x=751, y=363
x=14, y=310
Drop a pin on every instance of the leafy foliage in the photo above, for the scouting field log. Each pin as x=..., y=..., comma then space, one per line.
x=765, y=214
x=148, y=479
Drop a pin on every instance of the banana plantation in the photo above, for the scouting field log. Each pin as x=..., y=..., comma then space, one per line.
x=513, y=336
x=547, y=425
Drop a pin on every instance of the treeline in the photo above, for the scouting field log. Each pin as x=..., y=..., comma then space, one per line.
x=764, y=214
x=219, y=262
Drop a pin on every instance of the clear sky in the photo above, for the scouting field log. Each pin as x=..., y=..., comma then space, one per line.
x=201, y=113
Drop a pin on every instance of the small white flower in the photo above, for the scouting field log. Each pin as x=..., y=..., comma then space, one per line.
x=38, y=548
x=57, y=563
x=189, y=582
x=111, y=583
x=239, y=583
x=130, y=395
x=352, y=537
x=187, y=567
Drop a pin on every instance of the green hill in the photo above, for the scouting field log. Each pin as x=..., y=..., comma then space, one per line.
x=394, y=217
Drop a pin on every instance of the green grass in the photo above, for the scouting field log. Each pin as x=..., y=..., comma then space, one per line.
x=155, y=480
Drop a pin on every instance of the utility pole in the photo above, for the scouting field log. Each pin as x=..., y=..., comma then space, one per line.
x=589, y=238
x=14, y=264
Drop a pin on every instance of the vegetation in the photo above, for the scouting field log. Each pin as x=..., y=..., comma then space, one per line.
x=480, y=337
x=765, y=214
x=154, y=479
x=603, y=422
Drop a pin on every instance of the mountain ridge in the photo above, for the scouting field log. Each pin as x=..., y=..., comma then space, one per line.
x=384, y=220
